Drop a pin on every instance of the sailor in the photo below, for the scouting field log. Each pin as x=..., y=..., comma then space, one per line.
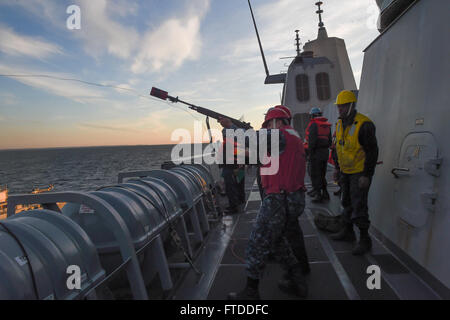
x=258, y=175
x=277, y=230
x=231, y=172
x=357, y=153
x=318, y=141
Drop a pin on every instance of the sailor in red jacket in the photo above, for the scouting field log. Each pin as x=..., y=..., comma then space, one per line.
x=277, y=230
x=318, y=139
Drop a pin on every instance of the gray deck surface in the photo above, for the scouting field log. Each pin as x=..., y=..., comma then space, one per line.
x=335, y=272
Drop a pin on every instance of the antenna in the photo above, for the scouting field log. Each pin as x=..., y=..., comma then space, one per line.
x=297, y=39
x=270, y=79
x=319, y=12
x=259, y=41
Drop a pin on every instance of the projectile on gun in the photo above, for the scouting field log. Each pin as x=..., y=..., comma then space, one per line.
x=164, y=95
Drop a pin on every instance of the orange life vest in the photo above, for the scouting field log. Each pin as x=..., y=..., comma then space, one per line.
x=323, y=129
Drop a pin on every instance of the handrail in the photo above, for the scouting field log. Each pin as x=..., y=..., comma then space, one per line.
x=109, y=216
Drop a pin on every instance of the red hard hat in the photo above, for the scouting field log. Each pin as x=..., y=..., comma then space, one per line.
x=288, y=111
x=278, y=112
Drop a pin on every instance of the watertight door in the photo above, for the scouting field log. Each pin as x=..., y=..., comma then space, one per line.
x=418, y=167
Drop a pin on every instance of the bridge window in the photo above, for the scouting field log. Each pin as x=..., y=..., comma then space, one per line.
x=302, y=84
x=323, y=86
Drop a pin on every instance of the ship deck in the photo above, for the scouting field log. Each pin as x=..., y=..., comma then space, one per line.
x=335, y=273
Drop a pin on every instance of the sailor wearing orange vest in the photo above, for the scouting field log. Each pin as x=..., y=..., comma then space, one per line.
x=318, y=141
x=357, y=153
x=277, y=230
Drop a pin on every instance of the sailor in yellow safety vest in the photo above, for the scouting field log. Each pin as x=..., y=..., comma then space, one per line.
x=357, y=154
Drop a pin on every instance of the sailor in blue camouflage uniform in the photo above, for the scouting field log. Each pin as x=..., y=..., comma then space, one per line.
x=277, y=233
x=277, y=230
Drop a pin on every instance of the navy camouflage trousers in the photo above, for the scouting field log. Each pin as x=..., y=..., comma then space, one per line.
x=277, y=232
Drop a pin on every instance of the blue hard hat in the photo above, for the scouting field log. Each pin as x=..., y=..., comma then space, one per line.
x=315, y=111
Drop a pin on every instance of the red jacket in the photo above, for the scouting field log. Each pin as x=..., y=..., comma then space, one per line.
x=292, y=166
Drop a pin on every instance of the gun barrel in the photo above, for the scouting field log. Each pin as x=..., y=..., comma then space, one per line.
x=217, y=116
x=164, y=95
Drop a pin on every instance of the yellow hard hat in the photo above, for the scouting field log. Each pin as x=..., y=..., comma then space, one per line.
x=345, y=97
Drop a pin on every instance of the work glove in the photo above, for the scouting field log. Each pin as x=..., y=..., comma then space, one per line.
x=363, y=182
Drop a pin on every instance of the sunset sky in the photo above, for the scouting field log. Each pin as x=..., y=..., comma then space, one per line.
x=204, y=51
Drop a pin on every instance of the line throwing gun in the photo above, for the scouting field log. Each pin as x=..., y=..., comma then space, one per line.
x=161, y=94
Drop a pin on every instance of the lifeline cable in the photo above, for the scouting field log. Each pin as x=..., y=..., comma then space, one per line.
x=33, y=279
x=92, y=84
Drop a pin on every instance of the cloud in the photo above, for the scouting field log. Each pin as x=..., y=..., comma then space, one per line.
x=107, y=127
x=103, y=31
x=68, y=89
x=14, y=44
x=123, y=87
x=123, y=8
x=100, y=32
x=277, y=21
x=7, y=99
x=48, y=11
x=155, y=123
x=175, y=41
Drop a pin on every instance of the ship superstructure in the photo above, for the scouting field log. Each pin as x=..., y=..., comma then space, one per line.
x=317, y=75
x=160, y=234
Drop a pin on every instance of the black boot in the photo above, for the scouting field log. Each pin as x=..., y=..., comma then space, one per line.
x=306, y=269
x=364, y=245
x=325, y=194
x=346, y=234
x=318, y=198
x=250, y=292
x=312, y=193
x=294, y=282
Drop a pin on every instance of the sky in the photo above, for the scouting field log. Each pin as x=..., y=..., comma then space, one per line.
x=204, y=51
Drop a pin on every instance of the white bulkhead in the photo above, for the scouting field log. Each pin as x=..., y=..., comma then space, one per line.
x=405, y=91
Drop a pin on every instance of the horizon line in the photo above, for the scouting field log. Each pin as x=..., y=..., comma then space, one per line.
x=99, y=146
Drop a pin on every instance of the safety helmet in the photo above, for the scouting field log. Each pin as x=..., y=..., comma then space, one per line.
x=315, y=112
x=288, y=111
x=276, y=113
x=345, y=97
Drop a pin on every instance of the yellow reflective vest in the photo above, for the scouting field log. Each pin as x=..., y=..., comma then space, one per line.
x=351, y=155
